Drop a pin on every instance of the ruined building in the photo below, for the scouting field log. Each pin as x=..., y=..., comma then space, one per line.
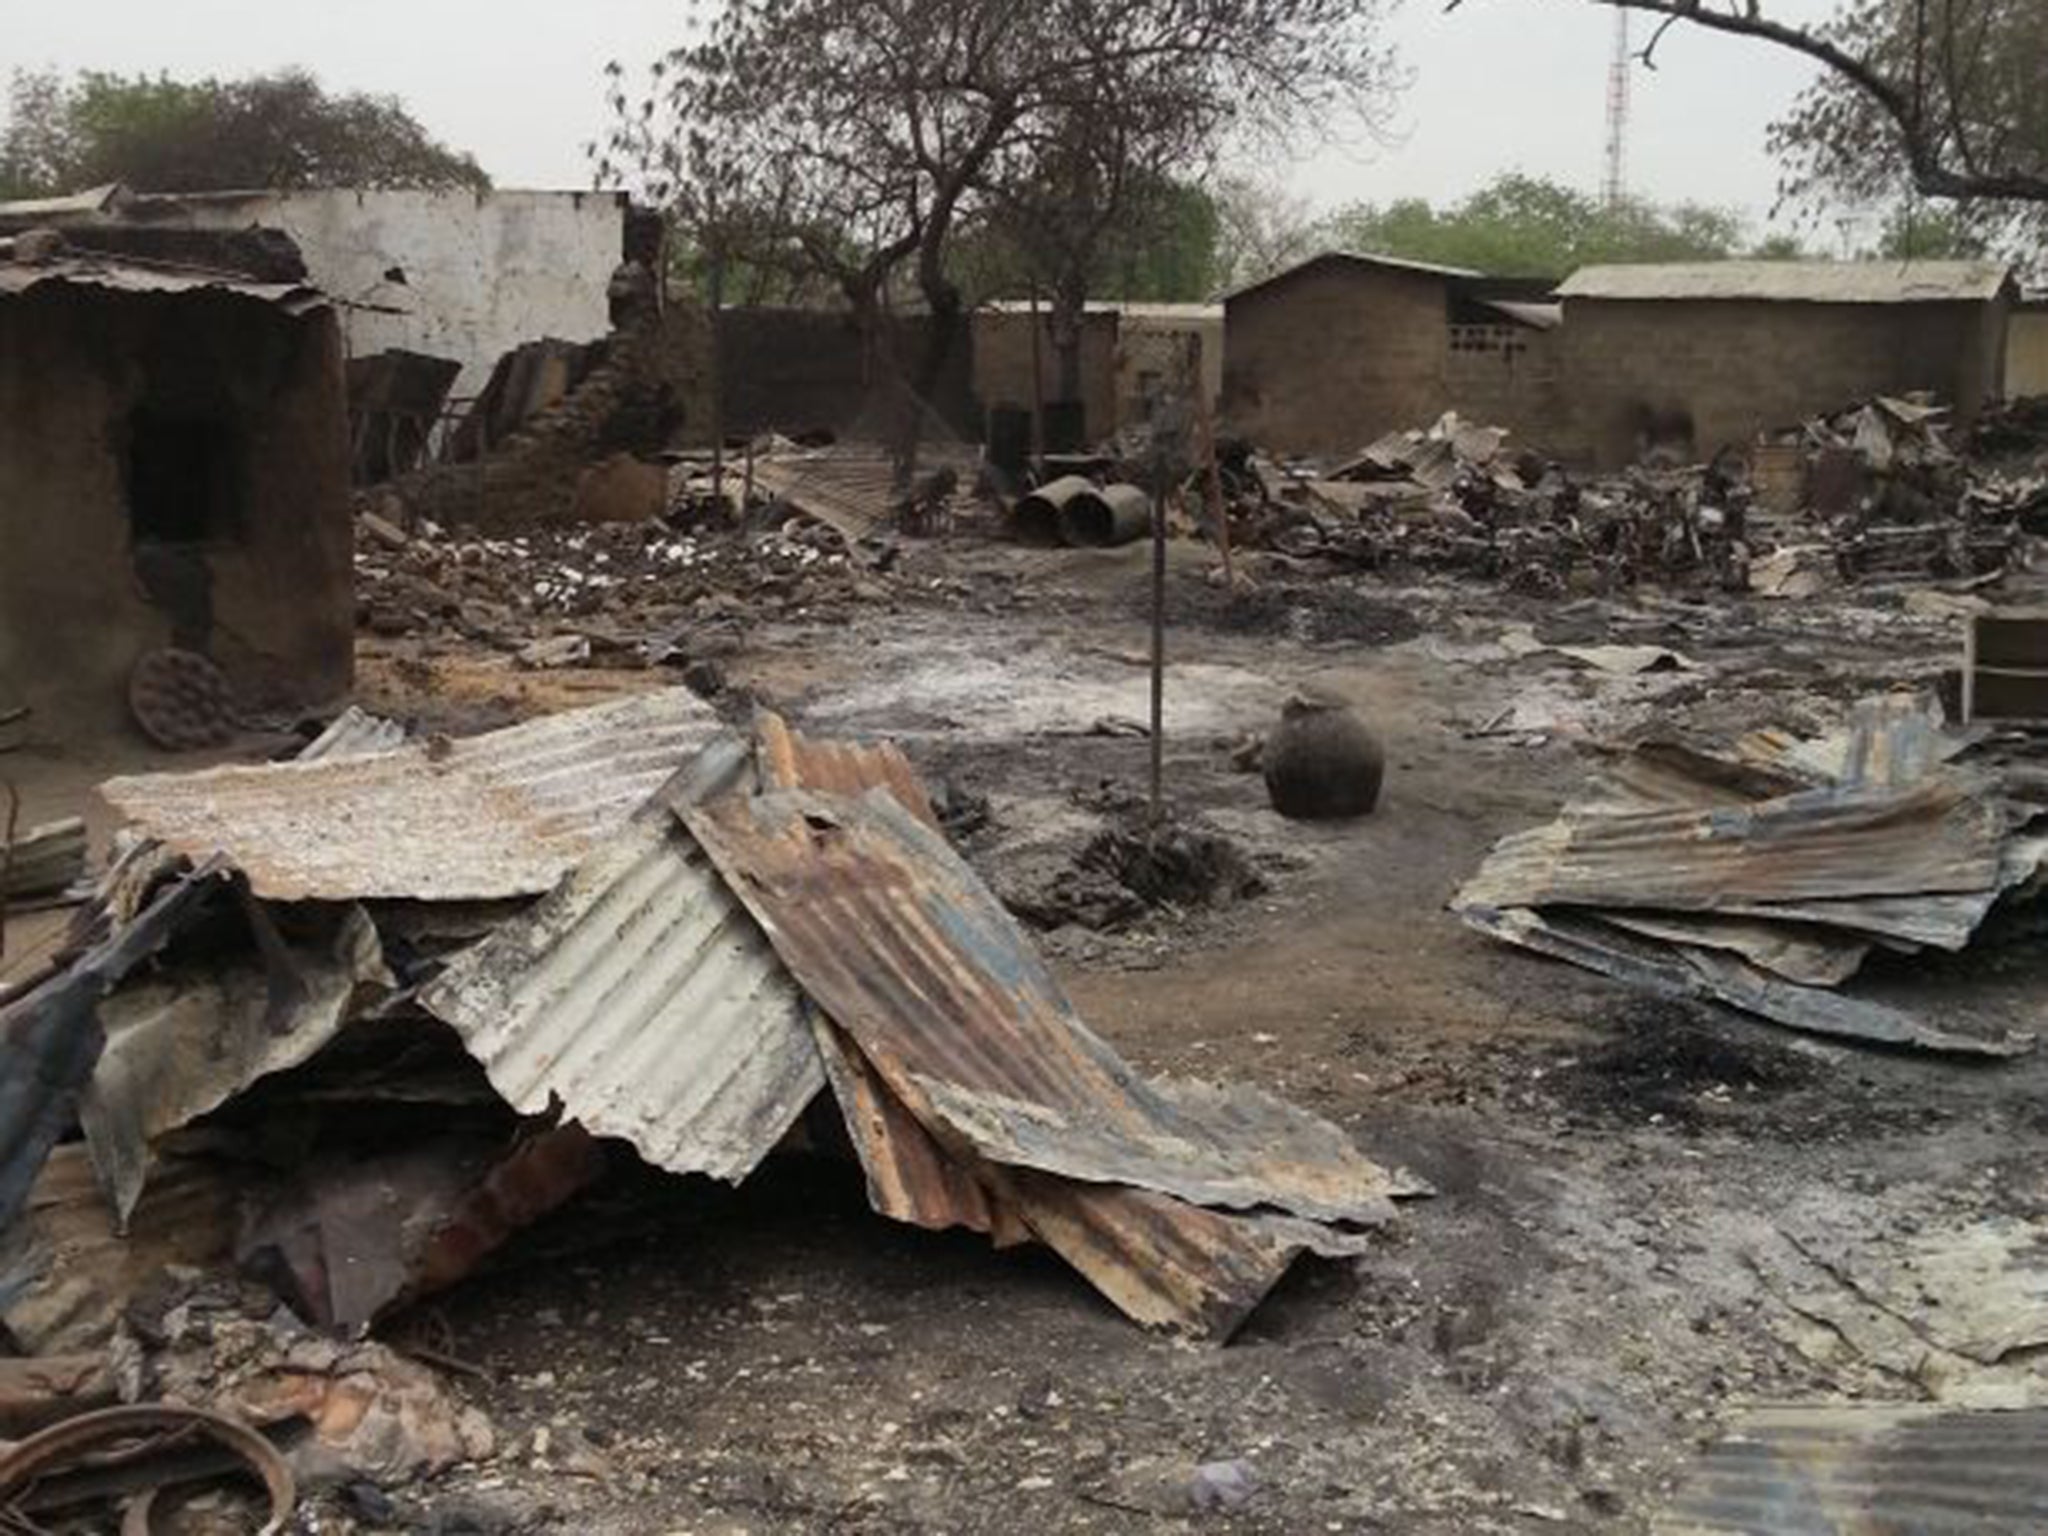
x=173, y=475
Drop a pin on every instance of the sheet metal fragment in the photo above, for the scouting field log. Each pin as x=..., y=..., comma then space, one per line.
x=642, y=997
x=907, y=951
x=1868, y=1469
x=187, y=1040
x=504, y=814
x=1597, y=946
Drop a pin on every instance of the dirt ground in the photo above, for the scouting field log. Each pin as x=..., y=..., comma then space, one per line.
x=1635, y=1200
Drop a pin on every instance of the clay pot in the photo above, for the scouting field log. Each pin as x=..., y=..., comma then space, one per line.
x=1322, y=764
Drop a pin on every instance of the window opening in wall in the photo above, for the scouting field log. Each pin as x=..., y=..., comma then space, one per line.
x=1490, y=340
x=184, y=479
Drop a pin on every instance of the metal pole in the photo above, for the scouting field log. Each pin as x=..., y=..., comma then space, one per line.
x=1158, y=810
x=1037, y=392
x=717, y=351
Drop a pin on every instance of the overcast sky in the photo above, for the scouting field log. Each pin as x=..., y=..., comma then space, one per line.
x=1498, y=84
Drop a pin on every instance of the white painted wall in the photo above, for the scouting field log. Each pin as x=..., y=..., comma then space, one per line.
x=484, y=272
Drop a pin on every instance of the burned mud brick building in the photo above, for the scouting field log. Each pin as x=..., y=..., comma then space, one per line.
x=1697, y=357
x=1345, y=348
x=173, y=473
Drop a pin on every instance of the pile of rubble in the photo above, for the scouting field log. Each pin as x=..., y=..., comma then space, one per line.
x=1766, y=876
x=332, y=1030
x=635, y=577
x=1875, y=492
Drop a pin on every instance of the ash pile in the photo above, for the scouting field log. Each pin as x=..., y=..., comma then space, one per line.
x=1877, y=492
x=331, y=1031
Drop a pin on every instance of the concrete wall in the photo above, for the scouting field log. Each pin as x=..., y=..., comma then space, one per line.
x=2026, y=353
x=1702, y=375
x=77, y=366
x=483, y=272
x=1335, y=356
x=1002, y=364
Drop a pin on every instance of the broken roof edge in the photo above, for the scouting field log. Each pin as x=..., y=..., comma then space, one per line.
x=136, y=275
x=1353, y=258
x=1794, y=282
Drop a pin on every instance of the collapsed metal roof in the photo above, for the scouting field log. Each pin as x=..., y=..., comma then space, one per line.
x=504, y=814
x=641, y=995
x=1794, y=282
x=907, y=951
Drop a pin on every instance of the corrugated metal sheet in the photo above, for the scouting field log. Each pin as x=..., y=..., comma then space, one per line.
x=503, y=814
x=1164, y=1262
x=906, y=950
x=129, y=276
x=1845, y=1469
x=787, y=759
x=1694, y=973
x=910, y=1178
x=1938, y=836
x=1799, y=952
x=355, y=732
x=641, y=995
x=187, y=1039
x=1796, y=282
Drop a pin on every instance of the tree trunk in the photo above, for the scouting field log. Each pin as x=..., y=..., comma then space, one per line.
x=1069, y=327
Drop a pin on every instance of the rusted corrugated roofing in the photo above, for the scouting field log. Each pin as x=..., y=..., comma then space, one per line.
x=787, y=759
x=642, y=996
x=1869, y=1469
x=1937, y=836
x=503, y=814
x=906, y=950
x=850, y=488
x=849, y=492
x=1796, y=282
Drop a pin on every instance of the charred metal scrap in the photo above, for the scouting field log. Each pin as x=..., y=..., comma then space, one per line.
x=411, y=991
x=1765, y=877
x=1877, y=491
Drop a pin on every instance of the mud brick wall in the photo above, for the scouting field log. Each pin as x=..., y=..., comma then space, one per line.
x=1517, y=383
x=1725, y=370
x=1002, y=364
x=1334, y=356
x=799, y=370
x=246, y=405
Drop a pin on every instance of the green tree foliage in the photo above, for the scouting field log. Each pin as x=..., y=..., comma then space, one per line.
x=1917, y=231
x=156, y=134
x=1526, y=226
x=1966, y=121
